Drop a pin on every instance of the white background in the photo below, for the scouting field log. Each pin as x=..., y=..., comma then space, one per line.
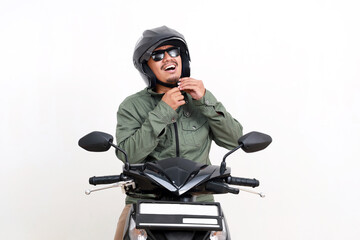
x=287, y=68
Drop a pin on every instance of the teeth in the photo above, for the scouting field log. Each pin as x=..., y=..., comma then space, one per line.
x=170, y=66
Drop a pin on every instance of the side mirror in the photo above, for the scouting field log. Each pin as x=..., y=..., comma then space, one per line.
x=96, y=142
x=254, y=141
x=250, y=142
x=101, y=142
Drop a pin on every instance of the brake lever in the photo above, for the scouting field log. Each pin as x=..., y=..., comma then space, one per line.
x=253, y=192
x=124, y=186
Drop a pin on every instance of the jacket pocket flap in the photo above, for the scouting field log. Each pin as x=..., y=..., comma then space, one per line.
x=193, y=124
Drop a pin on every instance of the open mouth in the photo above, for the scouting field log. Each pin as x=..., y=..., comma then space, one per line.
x=170, y=67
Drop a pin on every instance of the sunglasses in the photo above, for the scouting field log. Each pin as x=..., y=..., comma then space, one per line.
x=160, y=54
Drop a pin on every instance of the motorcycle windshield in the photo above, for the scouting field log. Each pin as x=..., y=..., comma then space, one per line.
x=173, y=173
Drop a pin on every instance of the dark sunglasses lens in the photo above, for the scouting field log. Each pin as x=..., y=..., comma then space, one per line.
x=174, y=52
x=157, y=56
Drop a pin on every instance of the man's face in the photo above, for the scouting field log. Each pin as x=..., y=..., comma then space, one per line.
x=167, y=70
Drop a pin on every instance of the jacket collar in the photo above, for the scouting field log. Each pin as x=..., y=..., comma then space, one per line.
x=153, y=93
x=159, y=95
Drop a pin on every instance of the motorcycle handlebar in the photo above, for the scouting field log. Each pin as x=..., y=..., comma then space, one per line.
x=243, y=181
x=107, y=179
x=220, y=187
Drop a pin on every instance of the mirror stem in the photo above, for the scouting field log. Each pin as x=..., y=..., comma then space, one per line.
x=127, y=165
x=223, y=163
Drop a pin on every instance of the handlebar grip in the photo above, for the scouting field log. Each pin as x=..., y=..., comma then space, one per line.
x=243, y=181
x=105, y=179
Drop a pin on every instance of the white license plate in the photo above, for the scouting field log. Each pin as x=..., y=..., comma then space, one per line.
x=169, y=215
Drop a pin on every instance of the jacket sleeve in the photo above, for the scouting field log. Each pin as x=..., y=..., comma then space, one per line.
x=225, y=129
x=137, y=135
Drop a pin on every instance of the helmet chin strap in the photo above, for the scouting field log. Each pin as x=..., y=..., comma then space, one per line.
x=169, y=85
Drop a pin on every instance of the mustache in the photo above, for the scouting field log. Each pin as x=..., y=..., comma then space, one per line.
x=167, y=62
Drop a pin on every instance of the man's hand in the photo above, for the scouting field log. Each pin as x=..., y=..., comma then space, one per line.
x=173, y=98
x=193, y=87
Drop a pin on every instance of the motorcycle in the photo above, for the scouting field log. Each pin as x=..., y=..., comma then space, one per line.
x=172, y=211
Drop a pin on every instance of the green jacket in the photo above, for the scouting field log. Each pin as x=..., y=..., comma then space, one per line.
x=149, y=130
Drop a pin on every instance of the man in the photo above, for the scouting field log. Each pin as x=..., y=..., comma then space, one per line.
x=175, y=116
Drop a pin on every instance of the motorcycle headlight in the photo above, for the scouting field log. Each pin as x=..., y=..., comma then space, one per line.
x=136, y=234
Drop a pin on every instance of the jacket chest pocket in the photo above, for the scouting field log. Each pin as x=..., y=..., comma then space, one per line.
x=195, y=132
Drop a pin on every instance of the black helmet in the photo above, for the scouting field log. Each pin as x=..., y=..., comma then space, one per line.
x=150, y=40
